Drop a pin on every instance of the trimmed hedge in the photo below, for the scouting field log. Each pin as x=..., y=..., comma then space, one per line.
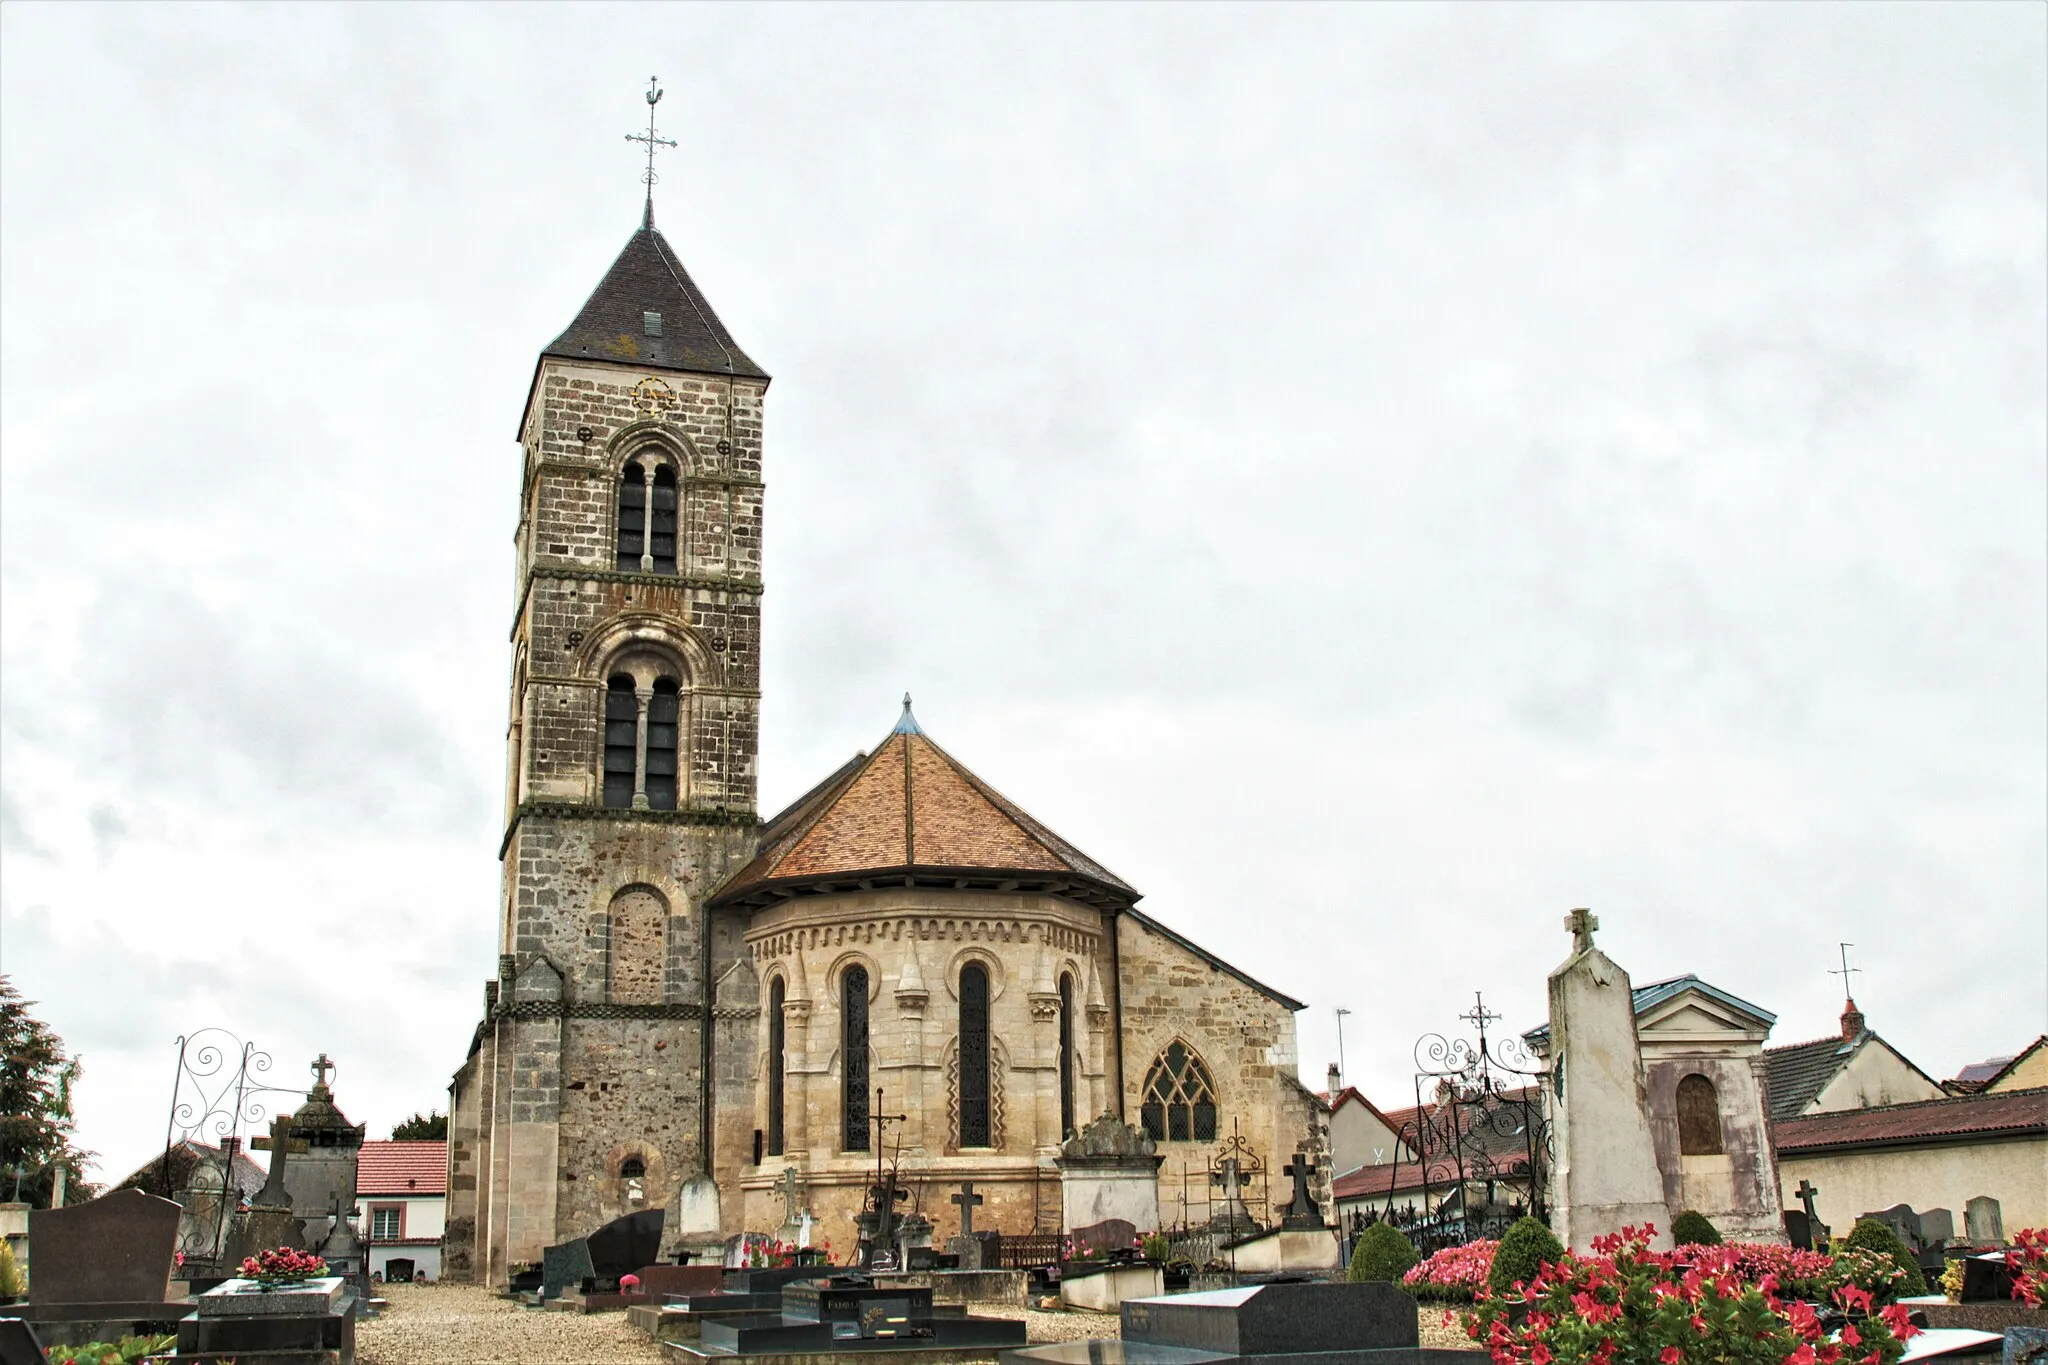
x=1522, y=1252
x=1383, y=1253
x=1871, y=1235
x=1693, y=1228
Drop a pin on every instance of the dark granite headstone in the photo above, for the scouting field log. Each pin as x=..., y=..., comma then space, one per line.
x=1799, y=1229
x=1986, y=1279
x=660, y=1280
x=625, y=1244
x=18, y=1344
x=1901, y=1219
x=1100, y=1241
x=113, y=1250
x=564, y=1267
x=1276, y=1319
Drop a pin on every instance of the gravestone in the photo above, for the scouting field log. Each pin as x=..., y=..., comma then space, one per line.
x=1302, y=1211
x=623, y=1245
x=565, y=1267
x=1983, y=1221
x=1798, y=1230
x=1234, y=1219
x=1112, y=1237
x=966, y=1246
x=1904, y=1223
x=1277, y=1319
x=115, y=1250
x=796, y=1222
x=1109, y=1169
x=1937, y=1228
x=1605, y=1176
x=18, y=1344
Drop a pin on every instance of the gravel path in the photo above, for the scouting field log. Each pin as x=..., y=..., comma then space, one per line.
x=459, y=1324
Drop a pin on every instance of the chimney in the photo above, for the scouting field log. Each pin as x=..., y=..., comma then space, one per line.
x=1852, y=1021
x=1336, y=1082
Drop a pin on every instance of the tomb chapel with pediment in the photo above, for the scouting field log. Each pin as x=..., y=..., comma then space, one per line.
x=691, y=1000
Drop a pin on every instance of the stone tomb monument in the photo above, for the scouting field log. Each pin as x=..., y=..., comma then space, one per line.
x=585, y=1272
x=1605, y=1175
x=1984, y=1222
x=313, y=1323
x=103, y=1269
x=850, y=1314
x=1110, y=1169
x=1315, y=1324
x=1302, y=1241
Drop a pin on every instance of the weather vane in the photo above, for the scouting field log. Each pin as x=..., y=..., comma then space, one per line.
x=654, y=93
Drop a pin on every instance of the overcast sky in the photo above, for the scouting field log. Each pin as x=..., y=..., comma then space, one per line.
x=1376, y=477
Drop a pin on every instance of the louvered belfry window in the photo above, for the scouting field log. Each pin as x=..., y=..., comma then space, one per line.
x=633, y=516
x=664, y=710
x=1180, y=1099
x=663, y=528
x=853, y=1049
x=974, y=1127
x=1066, y=1056
x=776, y=1039
x=621, y=740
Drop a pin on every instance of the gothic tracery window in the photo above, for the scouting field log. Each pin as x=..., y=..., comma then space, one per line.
x=853, y=1051
x=776, y=1041
x=1180, y=1098
x=974, y=1110
x=1699, y=1117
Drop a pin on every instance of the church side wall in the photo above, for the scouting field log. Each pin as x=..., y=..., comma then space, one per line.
x=1246, y=1040
x=468, y=1156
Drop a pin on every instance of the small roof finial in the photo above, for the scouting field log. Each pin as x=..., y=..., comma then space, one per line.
x=654, y=94
x=1580, y=924
x=906, y=724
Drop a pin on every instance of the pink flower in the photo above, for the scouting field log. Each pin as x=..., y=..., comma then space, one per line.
x=1670, y=1355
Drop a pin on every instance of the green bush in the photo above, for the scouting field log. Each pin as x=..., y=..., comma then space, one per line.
x=1871, y=1235
x=1522, y=1252
x=1383, y=1253
x=1693, y=1228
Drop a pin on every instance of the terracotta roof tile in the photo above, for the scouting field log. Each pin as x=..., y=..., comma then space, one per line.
x=907, y=807
x=2015, y=1113
x=403, y=1168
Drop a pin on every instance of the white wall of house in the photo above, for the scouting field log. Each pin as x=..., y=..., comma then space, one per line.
x=421, y=1221
x=1936, y=1177
x=1358, y=1138
x=1875, y=1075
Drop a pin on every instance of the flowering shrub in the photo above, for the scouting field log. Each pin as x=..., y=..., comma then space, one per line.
x=1453, y=1275
x=1627, y=1305
x=628, y=1283
x=2028, y=1261
x=280, y=1264
x=765, y=1255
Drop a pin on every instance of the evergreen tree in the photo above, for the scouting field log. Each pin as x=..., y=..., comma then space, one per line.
x=428, y=1127
x=36, y=1076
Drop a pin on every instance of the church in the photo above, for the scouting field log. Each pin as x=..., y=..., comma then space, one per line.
x=691, y=1000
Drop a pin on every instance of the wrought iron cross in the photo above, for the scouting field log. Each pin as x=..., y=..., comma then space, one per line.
x=654, y=94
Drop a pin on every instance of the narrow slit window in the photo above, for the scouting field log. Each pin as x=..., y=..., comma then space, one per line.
x=1066, y=1056
x=777, y=993
x=974, y=1116
x=663, y=527
x=663, y=733
x=853, y=1048
x=632, y=516
x=621, y=739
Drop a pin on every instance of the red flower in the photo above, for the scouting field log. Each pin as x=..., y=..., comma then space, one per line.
x=1670, y=1355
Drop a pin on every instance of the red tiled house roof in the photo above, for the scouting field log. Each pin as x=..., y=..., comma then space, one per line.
x=1953, y=1120
x=402, y=1169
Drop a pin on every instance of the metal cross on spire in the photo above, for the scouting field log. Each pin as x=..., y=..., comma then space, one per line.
x=654, y=93
x=1846, y=970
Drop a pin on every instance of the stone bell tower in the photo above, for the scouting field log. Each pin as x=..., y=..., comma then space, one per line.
x=631, y=739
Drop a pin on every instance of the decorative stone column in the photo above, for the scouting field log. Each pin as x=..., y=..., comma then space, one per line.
x=1099, y=1098
x=1044, y=1000
x=796, y=1058
x=912, y=997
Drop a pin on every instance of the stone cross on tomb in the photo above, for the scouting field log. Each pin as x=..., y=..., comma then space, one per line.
x=968, y=1201
x=272, y=1195
x=1581, y=924
x=321, y=1068
x=1806, y=1193
x=1303, y=1170
x=792, y=1198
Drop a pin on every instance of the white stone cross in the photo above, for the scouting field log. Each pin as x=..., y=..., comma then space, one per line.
x=1581, y=924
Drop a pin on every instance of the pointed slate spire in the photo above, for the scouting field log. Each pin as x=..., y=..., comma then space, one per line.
x=648, y=312
x=906, y=724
